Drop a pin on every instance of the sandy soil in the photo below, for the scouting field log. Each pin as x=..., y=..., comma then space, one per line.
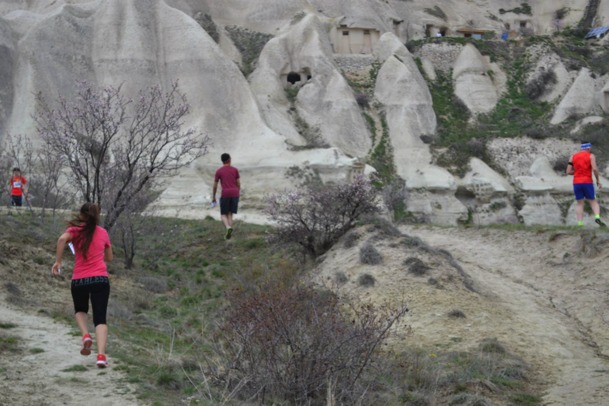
x=37, y=376
x=545, y=295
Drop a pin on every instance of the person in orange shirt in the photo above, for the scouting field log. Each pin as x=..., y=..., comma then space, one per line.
x=582, y=166
x=17, y=187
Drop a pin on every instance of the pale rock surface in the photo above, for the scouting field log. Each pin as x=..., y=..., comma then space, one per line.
x=473, y=85
x=403, y=92
x=547, y=61
x=604, y=98
x=484, y=182
x=579, y=100
x=515, y=156
x=407, y=102
x=585, y=122
x=325, y=102
x=429, y=69
x=541, y=209
x=436, y=207
x=492, y=192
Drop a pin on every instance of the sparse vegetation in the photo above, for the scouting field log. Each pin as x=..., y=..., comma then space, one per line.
x=208, y=24
x=250, y=44
x=366, y=280
x=416, y=266
x=524, y=8
x=369, y=255
x=437, y=12
x=456, y=314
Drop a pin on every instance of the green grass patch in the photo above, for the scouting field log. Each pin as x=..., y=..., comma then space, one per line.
x=7, y=326
x=75, y=368
x=9, y=344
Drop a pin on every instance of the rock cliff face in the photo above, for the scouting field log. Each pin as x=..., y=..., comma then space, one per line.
x=264, y=82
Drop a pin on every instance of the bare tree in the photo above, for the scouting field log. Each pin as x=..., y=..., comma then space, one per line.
x=130, y=224
x=116, y=147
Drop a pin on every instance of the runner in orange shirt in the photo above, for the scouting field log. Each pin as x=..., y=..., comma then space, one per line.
x=582, y=166
x=17, y=187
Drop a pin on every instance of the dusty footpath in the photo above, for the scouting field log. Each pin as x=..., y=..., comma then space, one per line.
x=48, y=369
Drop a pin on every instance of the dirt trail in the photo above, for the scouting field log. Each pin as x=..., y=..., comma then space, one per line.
x=556, y=303
x=37, y=376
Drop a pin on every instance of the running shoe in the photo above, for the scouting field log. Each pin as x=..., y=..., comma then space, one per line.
x=86, y=344
x=600, y=223
x=229, y=232
x=101, y=361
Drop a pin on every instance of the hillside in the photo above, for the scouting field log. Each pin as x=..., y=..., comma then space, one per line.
x=539, y=294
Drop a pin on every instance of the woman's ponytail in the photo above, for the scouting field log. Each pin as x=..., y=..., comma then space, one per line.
x=87, y=220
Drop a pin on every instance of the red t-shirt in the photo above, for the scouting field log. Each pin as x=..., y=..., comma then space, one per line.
x=94, y=264
x=228, y=176
x=17, y=183
x=582, y=167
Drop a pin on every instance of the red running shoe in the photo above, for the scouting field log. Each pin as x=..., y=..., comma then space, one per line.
x=86, y=344
x=101, y=361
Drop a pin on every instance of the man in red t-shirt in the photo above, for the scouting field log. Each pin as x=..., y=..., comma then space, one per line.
x=228, y=176
x=17, y=187
x=582, y=166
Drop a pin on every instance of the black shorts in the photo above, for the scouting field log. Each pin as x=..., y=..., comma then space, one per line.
x=229, y=205
x=96, y=288
x=16, y=200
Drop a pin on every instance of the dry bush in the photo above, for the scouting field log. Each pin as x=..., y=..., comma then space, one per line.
x=153, y=284
x=456, y=314
x=288, y=342
x=369, y=255
x=416, y=266
x=539, y=84
x=315, y=217
x=351, y=239
x=366, y=280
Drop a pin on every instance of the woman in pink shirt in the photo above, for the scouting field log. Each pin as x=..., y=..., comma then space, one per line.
x=90, y=277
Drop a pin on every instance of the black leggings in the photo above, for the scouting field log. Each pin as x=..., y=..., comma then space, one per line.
x=98, y=289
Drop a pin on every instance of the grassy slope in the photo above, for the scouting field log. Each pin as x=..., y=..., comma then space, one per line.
x=163, y=312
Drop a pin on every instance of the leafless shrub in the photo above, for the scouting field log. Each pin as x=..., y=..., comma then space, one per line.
x=293, y=343
x=561, y=163
x=153, y=284
x=537, y=86
x=492, y=345
x=340, y=278
x=416, y=266
x=314, y=217
x=366, y=280
x=456, y=314
x=351, y=239
x=369, y=255
x=395, y=197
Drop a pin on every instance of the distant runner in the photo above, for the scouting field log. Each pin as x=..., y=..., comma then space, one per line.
x=582, y=166
x=90, y=276
x=17, y=187
x=228, y=176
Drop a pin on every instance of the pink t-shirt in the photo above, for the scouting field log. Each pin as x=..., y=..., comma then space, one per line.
x=94, y=264
x=228, y=176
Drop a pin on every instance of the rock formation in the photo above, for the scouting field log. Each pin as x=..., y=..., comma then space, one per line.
x=287, y=102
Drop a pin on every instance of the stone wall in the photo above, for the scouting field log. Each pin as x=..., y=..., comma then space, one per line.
x=354, y=63
x=442, y=55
